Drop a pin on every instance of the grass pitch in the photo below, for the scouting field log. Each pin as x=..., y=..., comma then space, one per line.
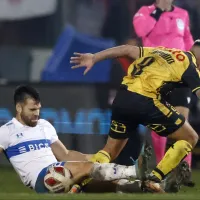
x=12, y=188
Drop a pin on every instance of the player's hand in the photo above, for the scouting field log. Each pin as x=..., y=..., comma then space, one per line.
x=83, y=60
x=101, y=157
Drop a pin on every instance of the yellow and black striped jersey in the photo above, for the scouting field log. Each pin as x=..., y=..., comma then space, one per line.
x=159, y=68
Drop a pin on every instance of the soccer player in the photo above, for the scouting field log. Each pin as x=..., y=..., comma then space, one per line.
x=155, y=72
x=34, y=150
x=163, y=24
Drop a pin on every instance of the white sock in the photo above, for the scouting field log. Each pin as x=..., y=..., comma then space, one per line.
x=111, y=172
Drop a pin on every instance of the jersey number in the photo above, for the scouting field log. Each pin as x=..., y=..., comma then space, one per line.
x=144, y=63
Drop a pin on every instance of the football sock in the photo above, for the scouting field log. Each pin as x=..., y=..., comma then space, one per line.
x=112, y=171
x=172, y=158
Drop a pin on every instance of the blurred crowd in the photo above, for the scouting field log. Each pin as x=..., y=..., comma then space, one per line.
x=106, y=18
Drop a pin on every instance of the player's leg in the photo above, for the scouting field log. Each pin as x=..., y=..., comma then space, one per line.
x=102, y=172
x=126, y=110
x=99, y=171
x=61, y=176
x=108, y=172
x=167, y=121
x=114, y=146
x=122, y=122
x=187, y=181
x=186, y=139
x=180, y=98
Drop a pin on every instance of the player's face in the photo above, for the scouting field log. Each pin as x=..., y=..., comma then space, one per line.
x=30, y=112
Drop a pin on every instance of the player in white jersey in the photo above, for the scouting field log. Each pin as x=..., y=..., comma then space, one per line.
x=33, y=148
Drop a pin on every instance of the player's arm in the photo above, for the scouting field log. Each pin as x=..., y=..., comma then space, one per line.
x=59, y=150
x=63, y=154
x=88, y=60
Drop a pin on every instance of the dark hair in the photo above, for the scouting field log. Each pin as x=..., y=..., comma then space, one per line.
x=23, y=92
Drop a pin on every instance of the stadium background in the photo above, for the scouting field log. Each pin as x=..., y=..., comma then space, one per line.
x=37, y=38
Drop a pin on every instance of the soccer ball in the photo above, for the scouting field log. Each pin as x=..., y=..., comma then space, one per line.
x=57, y=179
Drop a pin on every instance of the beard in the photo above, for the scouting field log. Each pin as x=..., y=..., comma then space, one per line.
x=28, y=121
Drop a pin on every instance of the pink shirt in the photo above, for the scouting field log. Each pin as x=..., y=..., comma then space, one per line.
x=171, y=30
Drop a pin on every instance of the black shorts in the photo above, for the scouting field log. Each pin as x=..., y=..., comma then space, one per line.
x=180, y=97
x=131, y=109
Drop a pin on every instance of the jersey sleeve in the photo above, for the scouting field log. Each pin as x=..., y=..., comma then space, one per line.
x=51, y=131
x=54, y=136
x=191, y=76
x=4, y=137
x=144, y=51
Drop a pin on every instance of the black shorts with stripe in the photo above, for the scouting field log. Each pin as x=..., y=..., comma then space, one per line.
x=130, y=109
x=180, y=97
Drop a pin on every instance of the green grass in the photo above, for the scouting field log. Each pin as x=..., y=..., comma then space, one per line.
x=12, y=188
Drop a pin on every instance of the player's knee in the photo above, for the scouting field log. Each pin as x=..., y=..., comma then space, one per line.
x=194, y=138
x=187, y=133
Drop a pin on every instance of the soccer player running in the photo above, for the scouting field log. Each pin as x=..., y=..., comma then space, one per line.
x=34, y=150
x=163, y=24
x=155, y=72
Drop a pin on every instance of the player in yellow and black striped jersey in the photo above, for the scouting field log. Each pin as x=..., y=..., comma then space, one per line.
x=161, y=68
x=154, y=73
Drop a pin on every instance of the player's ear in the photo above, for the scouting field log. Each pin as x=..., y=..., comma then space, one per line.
x=18, y=108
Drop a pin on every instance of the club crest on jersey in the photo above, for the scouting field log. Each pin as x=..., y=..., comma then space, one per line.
x=19, y=135
x=180, y=24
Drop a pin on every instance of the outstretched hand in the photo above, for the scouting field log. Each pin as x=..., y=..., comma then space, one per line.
x=82, y=60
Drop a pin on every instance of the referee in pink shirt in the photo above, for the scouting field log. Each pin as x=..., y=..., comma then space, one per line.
x=163, y=24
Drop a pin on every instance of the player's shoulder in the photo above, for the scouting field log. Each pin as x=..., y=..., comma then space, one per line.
x=5, y=128
x=180, y=10
x=189, y=60
x=45, y=123
x=191, y=57
x=47, y=126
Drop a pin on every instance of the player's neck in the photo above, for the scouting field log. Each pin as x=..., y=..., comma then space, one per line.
x=19, y=119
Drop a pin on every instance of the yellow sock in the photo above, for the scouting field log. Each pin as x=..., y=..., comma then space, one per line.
x=172, y=158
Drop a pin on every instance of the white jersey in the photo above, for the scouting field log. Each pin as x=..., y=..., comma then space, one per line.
x=28, y=148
